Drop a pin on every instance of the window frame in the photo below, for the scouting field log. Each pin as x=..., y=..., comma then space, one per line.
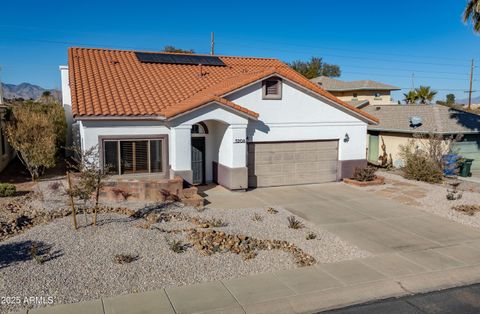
x=272, y=96
x=118, y=138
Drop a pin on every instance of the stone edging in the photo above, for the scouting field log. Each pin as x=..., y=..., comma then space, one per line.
x=379, y=180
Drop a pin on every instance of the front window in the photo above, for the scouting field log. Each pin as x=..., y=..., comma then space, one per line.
x=133, y=156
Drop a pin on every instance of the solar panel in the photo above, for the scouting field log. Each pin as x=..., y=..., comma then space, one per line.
x=150, y=57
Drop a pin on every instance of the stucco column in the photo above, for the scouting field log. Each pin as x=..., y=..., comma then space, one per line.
x=180, y=152
x=232, y=167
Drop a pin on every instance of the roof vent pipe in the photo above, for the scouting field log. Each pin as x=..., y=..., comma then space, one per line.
x=415, y=121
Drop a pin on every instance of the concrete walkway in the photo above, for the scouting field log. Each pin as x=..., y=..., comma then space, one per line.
x=413, y=251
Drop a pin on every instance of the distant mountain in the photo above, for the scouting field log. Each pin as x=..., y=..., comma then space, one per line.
x=475, y=100
x=27, y=91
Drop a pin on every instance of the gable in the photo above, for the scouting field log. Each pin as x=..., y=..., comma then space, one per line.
x=295, y=106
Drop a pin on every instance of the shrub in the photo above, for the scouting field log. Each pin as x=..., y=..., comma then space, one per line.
x=177, y=246
x=294, y=223
x=311, y=236
x=125, y=258
x=257, y=217
x=7, y=189
x=32, y=135
x=364, y=173
x=423, y=156
x=419, y=165
x=272, y=210
x=54, y=185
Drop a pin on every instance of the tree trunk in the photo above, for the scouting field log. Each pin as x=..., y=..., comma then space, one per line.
x=97, y=196
x=72, y=203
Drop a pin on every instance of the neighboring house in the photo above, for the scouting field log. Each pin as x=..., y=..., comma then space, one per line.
x=239, y=121
x=358, y=93
x=396, y=128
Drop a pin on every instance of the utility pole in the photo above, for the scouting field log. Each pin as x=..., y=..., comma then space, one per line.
x=470, y=89
x=212, y=44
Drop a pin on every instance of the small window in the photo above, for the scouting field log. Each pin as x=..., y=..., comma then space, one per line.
x=199, y=128
x=272, y=89
x=378, y=96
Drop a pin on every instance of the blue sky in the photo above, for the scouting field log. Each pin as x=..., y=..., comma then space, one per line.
x=379, y=40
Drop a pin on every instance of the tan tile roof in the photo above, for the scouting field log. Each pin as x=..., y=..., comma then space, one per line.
x=107, y=82
x=331, y=84
x=435, y=118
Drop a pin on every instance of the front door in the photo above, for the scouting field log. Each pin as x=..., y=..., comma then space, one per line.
x=198, y=160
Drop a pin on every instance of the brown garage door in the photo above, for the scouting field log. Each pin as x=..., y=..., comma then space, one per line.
x=288, y=163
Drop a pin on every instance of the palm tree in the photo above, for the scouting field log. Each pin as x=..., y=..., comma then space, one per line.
x=472, y=13
x=410, y=97
x=425, y=94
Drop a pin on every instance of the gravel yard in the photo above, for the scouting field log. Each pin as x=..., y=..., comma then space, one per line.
x=80, y=264
x=430, y=197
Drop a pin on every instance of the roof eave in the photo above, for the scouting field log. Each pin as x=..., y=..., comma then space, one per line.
x=409, y=131
x=118, y=117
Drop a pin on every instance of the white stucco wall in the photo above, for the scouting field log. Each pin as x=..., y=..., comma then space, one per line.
x=300, y=116
x=67, y=102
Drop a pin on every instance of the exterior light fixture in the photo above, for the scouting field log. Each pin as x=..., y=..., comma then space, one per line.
x=346, y=139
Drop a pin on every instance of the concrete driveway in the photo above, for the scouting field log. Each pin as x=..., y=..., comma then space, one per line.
x=376, y=224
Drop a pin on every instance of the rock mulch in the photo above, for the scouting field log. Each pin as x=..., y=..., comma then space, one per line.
x=82, y=264
x=431, y=197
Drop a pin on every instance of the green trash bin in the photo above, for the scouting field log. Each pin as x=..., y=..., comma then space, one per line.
x=466, y=167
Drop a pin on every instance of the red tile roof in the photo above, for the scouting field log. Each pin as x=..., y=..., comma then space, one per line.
x=108, y=82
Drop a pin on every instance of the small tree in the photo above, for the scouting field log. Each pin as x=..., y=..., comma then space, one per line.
x=450, y=99
x=32, y=135
x=315, y=67
x=91, y=177
x=173, y=49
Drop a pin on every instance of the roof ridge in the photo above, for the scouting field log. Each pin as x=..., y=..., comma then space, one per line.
x=172, y=53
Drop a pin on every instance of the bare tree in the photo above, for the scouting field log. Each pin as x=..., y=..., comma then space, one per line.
x=91, y=177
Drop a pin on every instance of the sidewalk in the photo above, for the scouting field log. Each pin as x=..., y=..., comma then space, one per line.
x=302, y=290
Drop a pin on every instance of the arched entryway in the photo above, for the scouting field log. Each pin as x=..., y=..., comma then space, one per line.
x=207, y=138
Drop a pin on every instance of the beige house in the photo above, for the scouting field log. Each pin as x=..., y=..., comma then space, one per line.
x=398, y=124
x=358, y=93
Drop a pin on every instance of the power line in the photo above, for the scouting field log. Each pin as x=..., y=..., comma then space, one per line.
x=358, y=57
x=355, y=50
x=243, y=45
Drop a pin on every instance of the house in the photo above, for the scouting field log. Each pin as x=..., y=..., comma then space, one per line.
x=238, y=121
x=358, y=93
x=398, y=123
